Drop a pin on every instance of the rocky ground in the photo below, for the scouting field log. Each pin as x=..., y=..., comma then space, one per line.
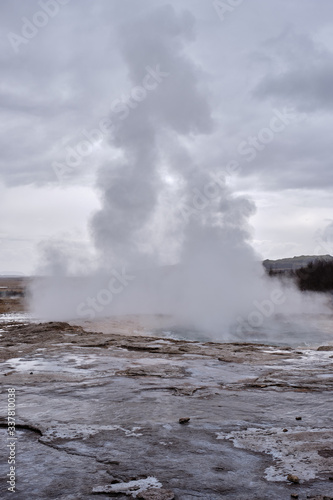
x=102, y=415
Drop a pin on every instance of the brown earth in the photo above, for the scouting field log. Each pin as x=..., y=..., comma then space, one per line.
x=18, y=287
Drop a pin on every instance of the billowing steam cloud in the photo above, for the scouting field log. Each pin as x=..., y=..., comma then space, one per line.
x=171, y=237
x=149, y=134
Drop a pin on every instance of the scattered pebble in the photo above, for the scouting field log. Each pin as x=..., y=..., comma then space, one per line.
x=294, y=495
x=292, y=478
x=285, y=430
x=184, y=420
x=298, y=418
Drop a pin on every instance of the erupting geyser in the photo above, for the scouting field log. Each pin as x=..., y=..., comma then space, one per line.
x=170, y=235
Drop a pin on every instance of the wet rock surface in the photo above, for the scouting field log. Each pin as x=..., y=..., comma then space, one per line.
x=98, y=416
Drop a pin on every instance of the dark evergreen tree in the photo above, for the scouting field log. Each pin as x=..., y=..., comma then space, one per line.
x=316, y=276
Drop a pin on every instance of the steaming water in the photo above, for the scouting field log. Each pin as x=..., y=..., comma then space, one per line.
x=310, y=331
x=306, y=330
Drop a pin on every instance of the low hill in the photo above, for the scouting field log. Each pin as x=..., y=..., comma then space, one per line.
x=293, y=263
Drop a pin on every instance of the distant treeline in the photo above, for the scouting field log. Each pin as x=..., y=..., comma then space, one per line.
x=317, y=276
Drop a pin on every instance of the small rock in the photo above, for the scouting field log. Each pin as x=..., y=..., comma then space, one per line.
x=294, y=495
x=298, y=418
x=219, y=469
x=327, y=453
x=285, y=430
x=31, y=373
x=156, y=494
x=330, y=478
x=325, y=348
x=184, y=420
x=292, y=478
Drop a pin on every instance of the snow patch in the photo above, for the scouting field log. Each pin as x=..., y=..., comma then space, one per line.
x=132, y=488
x=84, y=431
x=294, y=452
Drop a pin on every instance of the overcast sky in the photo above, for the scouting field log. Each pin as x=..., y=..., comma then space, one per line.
x=266, y=69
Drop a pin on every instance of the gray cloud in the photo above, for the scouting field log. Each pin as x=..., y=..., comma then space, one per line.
x=300, y=72
x=66, y=78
